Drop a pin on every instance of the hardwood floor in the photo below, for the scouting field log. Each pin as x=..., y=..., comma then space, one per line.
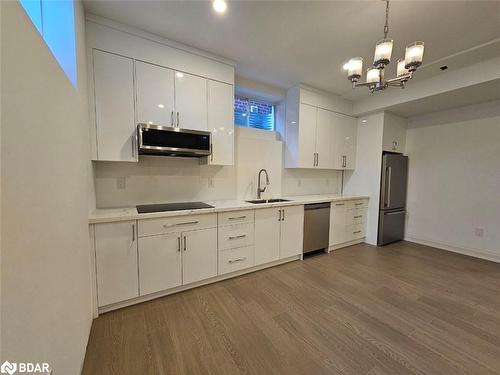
x=401, y=309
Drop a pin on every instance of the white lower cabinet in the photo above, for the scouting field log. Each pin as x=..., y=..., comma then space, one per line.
x=279, y=233
x=236, y=259
x=267, y=235
x=116, y=262
x=160, y=262
x=199, y=255
x=347, y=222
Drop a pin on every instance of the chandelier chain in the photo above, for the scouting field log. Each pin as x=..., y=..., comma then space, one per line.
x=386, y=27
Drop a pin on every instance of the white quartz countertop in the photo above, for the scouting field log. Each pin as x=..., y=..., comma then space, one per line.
x=107, y=215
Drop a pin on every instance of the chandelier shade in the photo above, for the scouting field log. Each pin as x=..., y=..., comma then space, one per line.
x=383, y=52
x=372, y=75
x=355, y=68
x=414, y=55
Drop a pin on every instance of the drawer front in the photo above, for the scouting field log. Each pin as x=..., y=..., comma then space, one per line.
x=358, y=203
x=236, y=259
x=238, y=235
x=356, y=231
x=151, y=227
x=235, y=217
x=359, y=215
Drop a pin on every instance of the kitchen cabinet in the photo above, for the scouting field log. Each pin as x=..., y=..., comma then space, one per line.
x=199, y=255
x=190, y=101
x=267, y=235
x=316, y=137
x=114, y=107
x=279, y=233
x=155, y=94
x=344, y=141
x=394, y=134
x=347, y=222
x=116, y=262
x=169, y=257
x=221, y=122
x=160, y=262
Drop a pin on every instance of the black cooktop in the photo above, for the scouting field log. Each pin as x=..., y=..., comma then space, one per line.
x=162, y=207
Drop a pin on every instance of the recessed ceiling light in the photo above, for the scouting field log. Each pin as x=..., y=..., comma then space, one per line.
x=179, y=74
x=161, y=106
x=220, y=6
x=363, y=121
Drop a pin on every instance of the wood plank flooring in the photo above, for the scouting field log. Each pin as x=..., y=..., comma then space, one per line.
x=401, y=309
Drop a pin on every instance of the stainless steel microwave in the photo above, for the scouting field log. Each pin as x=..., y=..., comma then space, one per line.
x=170, y=141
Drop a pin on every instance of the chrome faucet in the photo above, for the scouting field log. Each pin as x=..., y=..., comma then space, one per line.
x=259, y=189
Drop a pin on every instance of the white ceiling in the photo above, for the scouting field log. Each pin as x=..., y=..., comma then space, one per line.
x=286, y=42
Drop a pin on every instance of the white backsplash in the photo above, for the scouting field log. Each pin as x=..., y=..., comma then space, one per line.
x=165, y=179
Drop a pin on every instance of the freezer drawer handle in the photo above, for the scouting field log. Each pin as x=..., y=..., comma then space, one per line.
x=358, y=231
x=238, y=218
x=359, y=216
x=394, y=213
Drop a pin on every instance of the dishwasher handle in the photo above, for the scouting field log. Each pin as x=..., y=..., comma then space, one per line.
x=316, y=206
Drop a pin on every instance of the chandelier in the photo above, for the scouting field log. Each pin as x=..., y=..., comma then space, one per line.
x=375, y=75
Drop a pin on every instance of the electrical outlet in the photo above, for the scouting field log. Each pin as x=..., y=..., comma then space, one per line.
x=479, y=232
x=121, y=183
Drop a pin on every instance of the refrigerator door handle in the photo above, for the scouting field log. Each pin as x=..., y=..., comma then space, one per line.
x=389, y=175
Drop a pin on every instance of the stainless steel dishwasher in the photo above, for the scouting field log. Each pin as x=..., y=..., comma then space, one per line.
x=316, y=226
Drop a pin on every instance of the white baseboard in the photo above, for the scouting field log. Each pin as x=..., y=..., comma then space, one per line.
x=476, y=253
x=345, y=244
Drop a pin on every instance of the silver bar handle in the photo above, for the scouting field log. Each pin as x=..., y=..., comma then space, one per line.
x=358, y=231
x=133, y=233
x=185, y=243
x=231, y=261
x=211, y=152
x=237, y=237
x=133, y=145
x=283, y=217
x=279, y=215
x=178, y=120
x=358, y=217
x=179, y=244
x=238, y=217
x=389, y=187
x=317, y=159
x=172, y=118
x=179, y=224
x=339, y=204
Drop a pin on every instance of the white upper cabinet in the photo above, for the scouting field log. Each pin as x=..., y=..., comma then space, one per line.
x=114, y=107
x=325, y=136
x=394, y=139
x=155, y=94
x=316, y=135
x=307, y=136
x=190, y=102
x=221, y=122
x=344, y=144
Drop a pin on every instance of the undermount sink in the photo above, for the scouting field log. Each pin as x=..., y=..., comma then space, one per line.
x=261, y=201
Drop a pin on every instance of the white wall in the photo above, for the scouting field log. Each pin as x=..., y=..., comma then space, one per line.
x=365, y=180
x=454, y=179
x=46, y=297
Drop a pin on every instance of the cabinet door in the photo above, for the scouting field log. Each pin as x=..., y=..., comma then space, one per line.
x=199, y=255
x=292, y=231
x=114, y=107
x=325, y=134
x=338, y=223
x=190, y=101
x=116, y=262
x=220, y=122
x=155, y=94
x=267, y=235
x=344, y=144
x=159, y=262
x=307, y=136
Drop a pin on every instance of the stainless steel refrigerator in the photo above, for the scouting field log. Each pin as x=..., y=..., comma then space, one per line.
x=392, y=211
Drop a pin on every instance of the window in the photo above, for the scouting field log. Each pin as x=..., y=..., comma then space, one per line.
x=55, y=21
x=252, y=113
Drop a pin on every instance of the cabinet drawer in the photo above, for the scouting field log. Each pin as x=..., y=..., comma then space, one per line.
x=150, y=227
x=356, y=231
x=358, y=203
x=235, y=217
x=236, y=259
x=359, y=215
x=238, y=235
